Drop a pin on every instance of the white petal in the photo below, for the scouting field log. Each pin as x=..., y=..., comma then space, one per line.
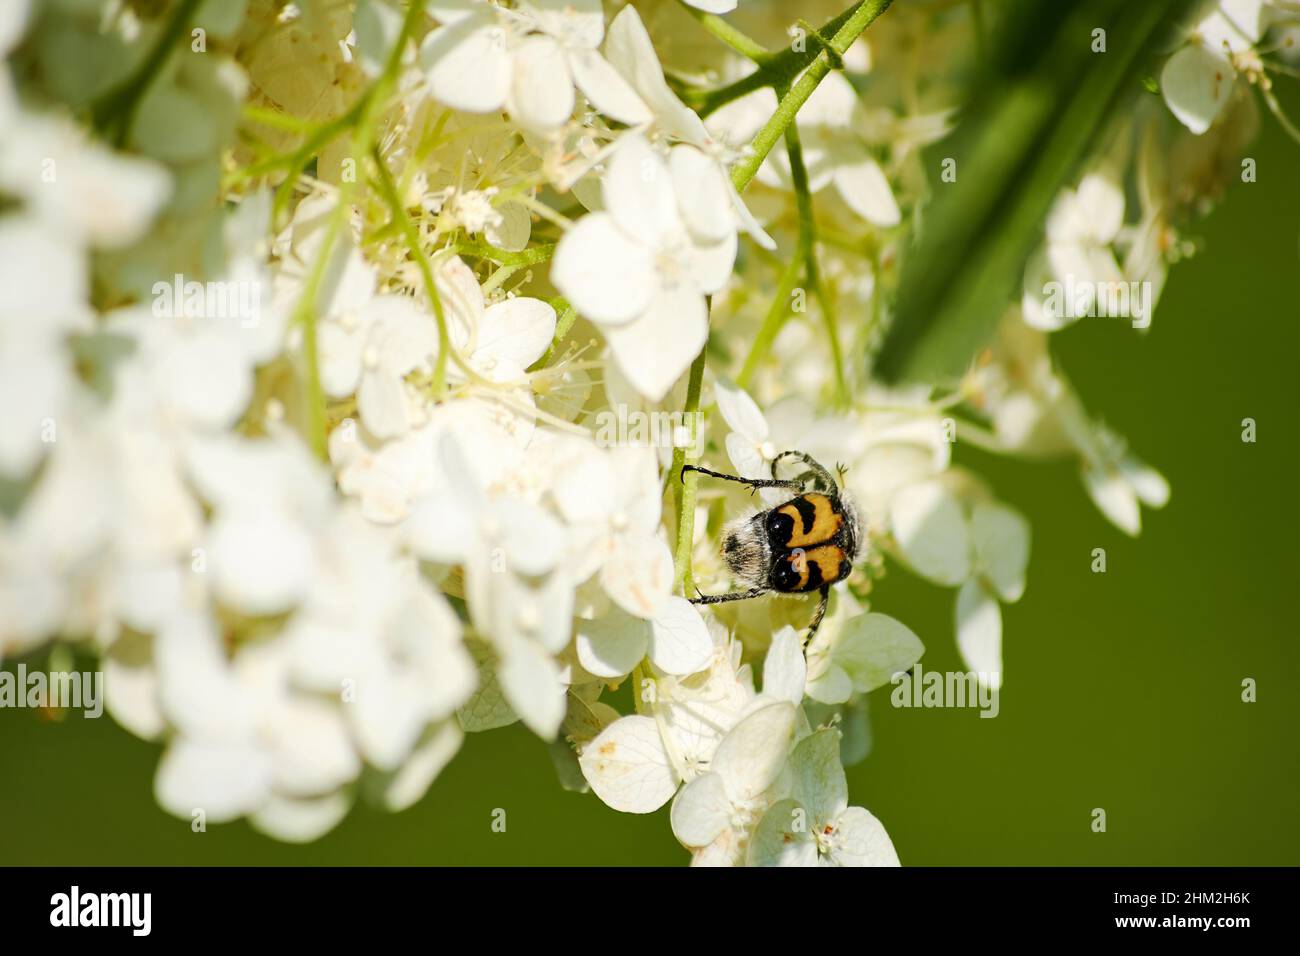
x=605, y=275
x=866, y=191
x=512, y=232
x=701, y=811
x=207, y=379
x=1101, y=199
x=783, y=837
x=301, y=821
x=531, y=683
x=530, y=538
x=638, y=191
x=542, y=90
x=1042, y=310
x=979, y=632
x=401, y=334
x=462, y=299
x=739, y=411
x=654, y=351
x=131, y=686
x=1001, y=538
x=516, y=333
x=312, y=750
x=467, y=65
x=710, y=264
x=440, y=528
x=340, y=359
x=224, y=780
x=680, y=642
x=745, y=457
x=747, y=220
x=630, y=51
x=628, y=768
x=831, y=686
x=638, y=574
x=422, y=767
x=611, y=646
x=13, y=21
x=382, y=404
x=702, y=194
x=606, y=89
x=819, y=782
x=1196, y=86
x=931, y=532
x=753, y=754
x=784, y=669
x=860, y=840
x=1151, y=487
x=873, y=648
x=714, y=6
x=1115, y=498
x=262, y=563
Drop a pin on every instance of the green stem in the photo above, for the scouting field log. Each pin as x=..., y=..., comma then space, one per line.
x=781, y=69
x=861, y=17
x=776, y=316
x=683, y=579
x=738, y=40
x=526, y=257
x=304, y=314
x=305, y=310
x=388, y=190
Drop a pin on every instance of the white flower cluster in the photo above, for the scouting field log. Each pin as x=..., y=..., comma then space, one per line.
x=317, y=543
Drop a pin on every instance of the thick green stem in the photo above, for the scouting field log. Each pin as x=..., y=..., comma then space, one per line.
x=388, y=189
x=780, y=70
x=684, y=482
x=525, y=257
x=773, y=130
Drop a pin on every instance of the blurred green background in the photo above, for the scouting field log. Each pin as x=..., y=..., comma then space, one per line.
x=1122, y=690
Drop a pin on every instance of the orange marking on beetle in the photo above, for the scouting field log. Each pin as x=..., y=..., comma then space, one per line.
x=815, y=518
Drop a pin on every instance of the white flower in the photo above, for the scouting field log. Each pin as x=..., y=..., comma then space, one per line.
x=676, y=640
x=500, y=340
x=816, y=826
x=485, y=58
x=983, y=550
x=711, y=206
x=1198, y=80
x=1081, y=228
x=520, y=595
x=638, y=272
x=268, y=499
x=243, y=735
x=715, y=813
x=373, y=634
x=611, y=502
x=637, y=762
x=1118, y=482
x=863, y=654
